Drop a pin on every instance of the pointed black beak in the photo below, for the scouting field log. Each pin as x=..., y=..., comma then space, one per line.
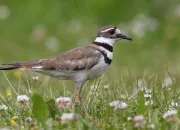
x=124, y=37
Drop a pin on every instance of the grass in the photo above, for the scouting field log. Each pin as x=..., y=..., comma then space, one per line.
x=97, y=96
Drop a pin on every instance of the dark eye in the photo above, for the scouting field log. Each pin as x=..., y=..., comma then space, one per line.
x=112, y=32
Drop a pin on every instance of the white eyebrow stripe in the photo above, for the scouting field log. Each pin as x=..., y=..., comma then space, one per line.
x=107, y=29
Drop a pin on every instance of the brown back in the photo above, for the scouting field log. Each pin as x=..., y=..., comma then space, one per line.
x=76, y=59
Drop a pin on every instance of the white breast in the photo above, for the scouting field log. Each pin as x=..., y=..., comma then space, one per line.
x=98, y=69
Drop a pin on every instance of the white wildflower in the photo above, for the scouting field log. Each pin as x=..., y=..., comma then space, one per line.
x=170, y=115
x=4, y=12
x=148, y=103
x=177, y=10
x=3, y=107
x=138, y=118
x=106, y=86
x=149, y=91
x=142, y=84
x=167, y=82
x=152, y=126
x=67, y=117
x=146, y=95
x=174, y=104
x=63, y=102
x=93, y=87
x=52, y=43
x=118, y=105
x=139, y=121
x=28, y=119
x=35, y=78
x=129, y=118
x=22, y=99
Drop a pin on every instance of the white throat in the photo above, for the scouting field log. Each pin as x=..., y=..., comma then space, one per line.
x=105, y=40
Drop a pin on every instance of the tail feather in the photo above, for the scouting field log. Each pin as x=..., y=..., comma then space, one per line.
x=13, y=64
x=9, y=68
x=20, y=65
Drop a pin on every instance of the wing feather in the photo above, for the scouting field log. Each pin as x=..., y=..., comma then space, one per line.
x=73, y=60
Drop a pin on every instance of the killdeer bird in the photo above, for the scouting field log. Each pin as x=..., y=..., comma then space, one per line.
x=79, y=64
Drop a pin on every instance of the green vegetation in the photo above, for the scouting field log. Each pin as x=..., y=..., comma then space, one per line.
x=144, y=74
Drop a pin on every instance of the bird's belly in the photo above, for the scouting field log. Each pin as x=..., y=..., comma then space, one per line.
x=94, y=72
x=62, y=75
x=97, y=71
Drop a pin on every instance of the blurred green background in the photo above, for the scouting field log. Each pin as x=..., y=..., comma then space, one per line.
x=35, y=29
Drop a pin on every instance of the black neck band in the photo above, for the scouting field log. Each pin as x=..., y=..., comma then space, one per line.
x=104, y=45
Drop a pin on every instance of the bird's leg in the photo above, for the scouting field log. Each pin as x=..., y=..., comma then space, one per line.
x=74, y=98
x=80, y=99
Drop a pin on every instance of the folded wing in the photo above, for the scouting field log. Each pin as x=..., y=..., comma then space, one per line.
x=76, y=59
x=73, y=60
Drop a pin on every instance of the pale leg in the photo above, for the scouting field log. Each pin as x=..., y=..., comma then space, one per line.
x=80, y=100
x=74, y=98
x=78, y=88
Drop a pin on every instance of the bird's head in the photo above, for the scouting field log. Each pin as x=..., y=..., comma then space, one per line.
x=110, y=34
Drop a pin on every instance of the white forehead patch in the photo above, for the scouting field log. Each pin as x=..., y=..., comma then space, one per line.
x=118, y=31
x=107, y=30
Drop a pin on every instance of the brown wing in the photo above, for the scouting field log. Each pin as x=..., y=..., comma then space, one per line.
x=75, y=59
